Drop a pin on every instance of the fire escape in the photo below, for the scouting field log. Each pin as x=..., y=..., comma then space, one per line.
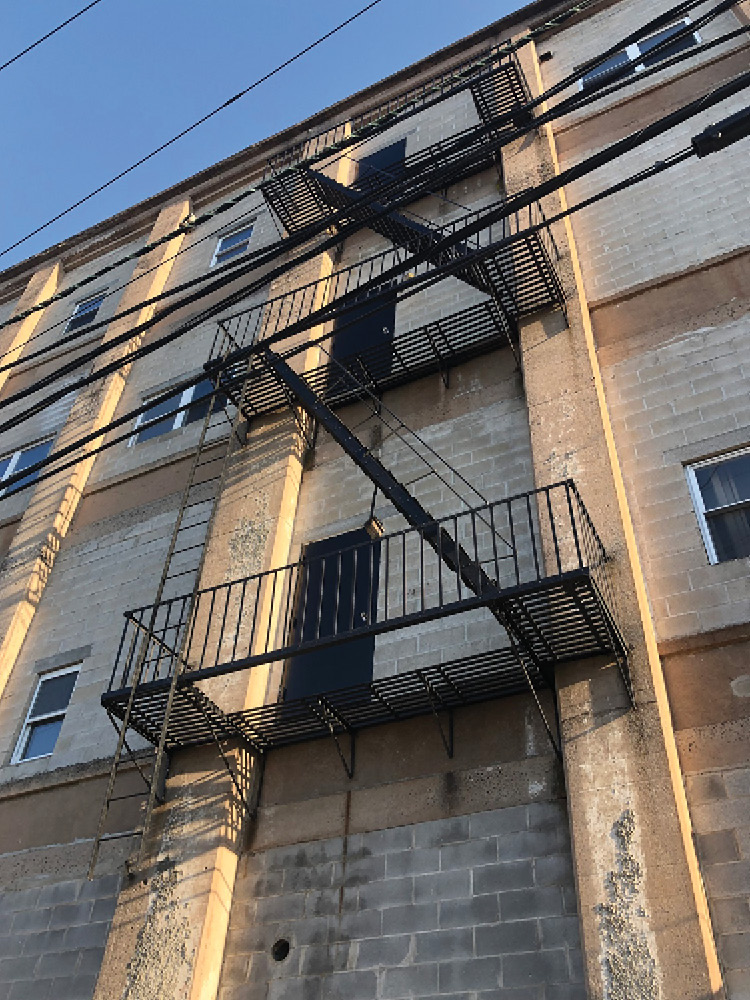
x=534, y=562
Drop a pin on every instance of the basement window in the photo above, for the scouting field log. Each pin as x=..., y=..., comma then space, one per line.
x=232, y=245
x=45, y=717
x=19, y=460
x=720, y=488
x=637, y=57
x=85, y=312
x=183, y=408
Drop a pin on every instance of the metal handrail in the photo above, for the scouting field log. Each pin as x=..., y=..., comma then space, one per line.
x=368, y=123
x=519, y=541
x=264, y=319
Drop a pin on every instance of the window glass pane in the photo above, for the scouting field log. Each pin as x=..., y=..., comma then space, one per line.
x=730, y=533
x=29, y=456
x=233, y=244
x=725, y=482
x=151, y=426
x=85, y=312
x=54, y=694
x=680, y=45
x=42, y=738
x=241, y=236
x=599, y=76
x=201, y=401
x=4, y=463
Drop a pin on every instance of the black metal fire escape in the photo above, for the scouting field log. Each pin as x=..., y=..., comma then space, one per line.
x=533, y=562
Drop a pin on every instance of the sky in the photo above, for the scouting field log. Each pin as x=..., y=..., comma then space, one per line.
x=129, y=74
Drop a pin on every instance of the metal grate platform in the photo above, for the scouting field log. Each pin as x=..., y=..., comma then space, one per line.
x=435, y=347
x=495, y=79
x=570, y=620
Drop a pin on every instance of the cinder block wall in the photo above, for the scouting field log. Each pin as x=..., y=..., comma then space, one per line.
x=479, y=906
x=52, y=938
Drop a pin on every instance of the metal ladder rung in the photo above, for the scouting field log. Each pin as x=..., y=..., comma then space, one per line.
x=120, y=836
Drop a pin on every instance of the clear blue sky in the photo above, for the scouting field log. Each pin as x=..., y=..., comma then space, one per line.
x=129, y=74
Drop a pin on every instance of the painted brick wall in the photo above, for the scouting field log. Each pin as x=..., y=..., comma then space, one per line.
x=477, y=907
x=52, y=938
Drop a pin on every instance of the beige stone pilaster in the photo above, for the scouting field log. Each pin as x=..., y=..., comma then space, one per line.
x=53, y=501
x=42, y=285
x=184, y=893
x=645, y=927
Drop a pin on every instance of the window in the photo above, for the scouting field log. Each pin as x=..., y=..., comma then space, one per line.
x=720, y=488
x=45, y=717
x=232, y=244
x=337, y=593
x=637, y=56
x=164, y=417
x=20, y=460
x=85, y=312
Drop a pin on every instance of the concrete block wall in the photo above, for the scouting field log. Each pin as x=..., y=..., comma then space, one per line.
x=52, y=938
x=687, y=215
x=720, y=806
x=103, y=570
x=479, y=906
x=676, y=402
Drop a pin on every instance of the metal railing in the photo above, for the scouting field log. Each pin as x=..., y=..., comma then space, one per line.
x=383, y=115
x=265, y=319
x=516, y=544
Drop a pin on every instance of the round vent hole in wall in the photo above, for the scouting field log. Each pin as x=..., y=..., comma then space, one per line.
x=280, y=950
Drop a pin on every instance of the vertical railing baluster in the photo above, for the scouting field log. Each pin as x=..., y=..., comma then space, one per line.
x=556, y=547
x=573, y=523
x=457, y=558
x=533, y=537
x=272, y=604
x=239, y=618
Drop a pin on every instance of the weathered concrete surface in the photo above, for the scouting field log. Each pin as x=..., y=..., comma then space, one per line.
x=635, y=862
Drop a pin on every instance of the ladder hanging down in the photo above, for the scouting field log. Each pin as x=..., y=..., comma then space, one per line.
x=181, y=573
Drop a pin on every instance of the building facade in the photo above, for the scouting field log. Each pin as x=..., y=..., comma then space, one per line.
x=423, y=491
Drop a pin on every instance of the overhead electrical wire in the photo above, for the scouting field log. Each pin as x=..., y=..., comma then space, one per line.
x=407, y=110
x=514, y=204
x=49, y=34
x=656, y=168
x=577, y=101
x=702, y=101
x=195, y=125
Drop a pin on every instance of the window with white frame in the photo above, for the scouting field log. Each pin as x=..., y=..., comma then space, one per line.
x=176, y=411
x=45, y=717
x=637, y=58
x=19, y=460
x=720, y=488
x=85, y=312
x=232, y=245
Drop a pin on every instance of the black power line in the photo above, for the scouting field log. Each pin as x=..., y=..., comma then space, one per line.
x=48, y=35
x=573, y=103
x=190, y=128
x=731, y=130
x=517, y=203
